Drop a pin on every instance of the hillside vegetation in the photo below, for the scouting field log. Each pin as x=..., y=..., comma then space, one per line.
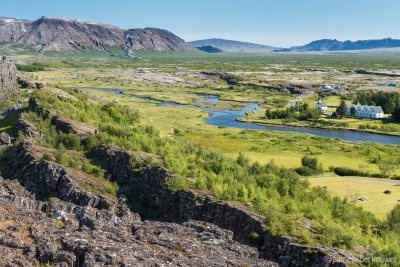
x=287, y=201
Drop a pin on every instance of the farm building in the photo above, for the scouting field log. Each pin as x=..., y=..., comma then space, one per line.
x=374, y=112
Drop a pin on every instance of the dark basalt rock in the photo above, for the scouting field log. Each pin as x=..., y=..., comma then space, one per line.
x=26, y=84
x=197, y=205
x=28, y=236
x=45, y=178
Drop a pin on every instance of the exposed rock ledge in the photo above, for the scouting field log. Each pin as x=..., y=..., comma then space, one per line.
x=46, y=179
x=91, y=237
x=149, y=183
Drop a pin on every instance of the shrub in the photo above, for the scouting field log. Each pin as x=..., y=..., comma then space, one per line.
x=344, y=171
x=305, y=171
x=309, y=167
x=310, y=162
x=177, y=183
x=111, y=188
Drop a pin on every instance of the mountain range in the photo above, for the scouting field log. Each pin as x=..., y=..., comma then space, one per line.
x=223, y=45
x=70, y=35
x=335, y=45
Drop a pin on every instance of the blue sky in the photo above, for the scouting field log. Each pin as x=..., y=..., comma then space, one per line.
x=279, y=23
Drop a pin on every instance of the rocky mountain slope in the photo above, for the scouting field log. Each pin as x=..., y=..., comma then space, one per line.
x=232, y=46
x=8, y=80
x=335, y=45
x=61, y=34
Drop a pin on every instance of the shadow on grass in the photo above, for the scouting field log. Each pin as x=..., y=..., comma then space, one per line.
x=7, y=123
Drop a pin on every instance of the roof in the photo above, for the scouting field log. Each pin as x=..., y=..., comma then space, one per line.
x=377, y=109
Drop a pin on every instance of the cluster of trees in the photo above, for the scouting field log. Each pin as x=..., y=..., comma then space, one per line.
x=301, y=112
x=387, y=100
x=280, y=194
x=30, y=68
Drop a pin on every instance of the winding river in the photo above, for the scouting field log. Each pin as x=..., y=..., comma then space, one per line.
x=227, y=118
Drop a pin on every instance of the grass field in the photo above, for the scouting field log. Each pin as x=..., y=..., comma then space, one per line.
x=379, y=203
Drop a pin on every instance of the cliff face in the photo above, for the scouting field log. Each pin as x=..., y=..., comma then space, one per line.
x=8, y=80
x=62, y=34
x=185, y=205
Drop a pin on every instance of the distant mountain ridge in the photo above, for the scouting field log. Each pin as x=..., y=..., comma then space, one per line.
x=231, y=46
x=70, y=35
x=335, y=45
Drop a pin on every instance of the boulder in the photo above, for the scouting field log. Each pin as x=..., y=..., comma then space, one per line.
x=5, y=139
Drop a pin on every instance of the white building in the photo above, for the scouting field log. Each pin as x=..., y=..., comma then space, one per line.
x=373, y=112
x=321, y=105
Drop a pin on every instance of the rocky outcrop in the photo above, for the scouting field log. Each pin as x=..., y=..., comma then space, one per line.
x=27, y=84
x=146, y=186
x=288, y=253
x=30, y=237
x=45, y=179
x=8, y=80
x=200, y=205
x=22, y=125
x=5, y=138
x=62, y=34
x=64, y=234
x=67, y=125
x=377, y=73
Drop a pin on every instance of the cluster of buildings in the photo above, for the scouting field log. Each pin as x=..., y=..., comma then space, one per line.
x=333, y=86
x=362, y=111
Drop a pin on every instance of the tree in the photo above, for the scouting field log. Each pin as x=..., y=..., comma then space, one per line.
x=353, y=111
x=396, y=111
x=242, y=160
x=396, y=114
x=393, y=219
x=310, y=162
x=341, y=109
